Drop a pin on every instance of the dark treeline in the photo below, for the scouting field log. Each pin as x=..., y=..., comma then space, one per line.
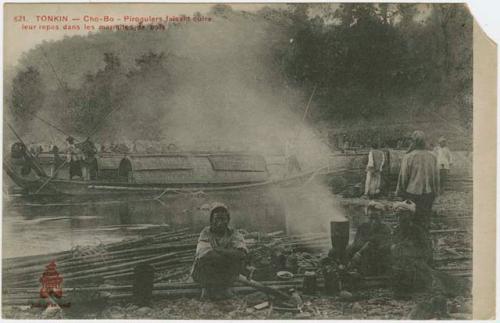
x=365, y=62
x=365, y=58
x=84, y=109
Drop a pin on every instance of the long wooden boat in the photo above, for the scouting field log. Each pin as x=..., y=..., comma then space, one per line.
x=152, y=174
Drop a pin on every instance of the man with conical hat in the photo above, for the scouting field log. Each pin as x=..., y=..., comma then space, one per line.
x=220, y=255
x=418, y=179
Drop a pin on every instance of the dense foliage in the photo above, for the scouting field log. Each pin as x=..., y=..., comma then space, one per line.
x=368, y=60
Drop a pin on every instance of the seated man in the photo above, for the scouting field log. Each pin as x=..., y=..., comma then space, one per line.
x=220, y=255
x=412, y=260
x=370, y=251
x=411, y=253
x=335, y=273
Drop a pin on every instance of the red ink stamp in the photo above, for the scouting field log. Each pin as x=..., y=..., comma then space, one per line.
x=51, y=282
x=51, y=290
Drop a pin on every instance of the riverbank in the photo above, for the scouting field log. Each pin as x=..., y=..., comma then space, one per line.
x=453, y=239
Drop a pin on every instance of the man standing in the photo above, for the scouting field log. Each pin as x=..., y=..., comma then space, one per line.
x=444, y=161
x=419, y=178
x=89, y=151
x=220, y=255
x=73, y=158
x=376, y=161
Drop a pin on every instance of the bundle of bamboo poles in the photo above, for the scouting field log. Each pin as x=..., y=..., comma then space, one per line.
x=170, y=253
x=164, y=251
x=111, y=267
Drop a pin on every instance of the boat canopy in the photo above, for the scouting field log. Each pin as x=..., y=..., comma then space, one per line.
x=242, y=163
x=148, y=163
x=109, y=162
x=184, y=168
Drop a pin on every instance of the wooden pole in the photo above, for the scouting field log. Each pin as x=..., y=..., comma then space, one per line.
x=51, y=178
x=309, y=103
x=263, y=288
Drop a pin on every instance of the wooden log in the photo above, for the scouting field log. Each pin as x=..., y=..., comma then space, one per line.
x=453, y=258
x=194, y=292
x=448, y=231
x=465, y=274
x=272, y=290
x=170, y=275
x=157, y=286
x=28, y=301
x=454, y=268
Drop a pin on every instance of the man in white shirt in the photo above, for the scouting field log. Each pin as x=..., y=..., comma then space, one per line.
x=419, y=179
x=73, y=157
x=444, y=161
x=376, y=161
x=220, y=255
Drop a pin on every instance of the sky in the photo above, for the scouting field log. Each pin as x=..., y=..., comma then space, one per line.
x=20, y=41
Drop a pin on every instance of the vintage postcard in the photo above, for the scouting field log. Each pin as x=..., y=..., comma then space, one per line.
x=248, y=161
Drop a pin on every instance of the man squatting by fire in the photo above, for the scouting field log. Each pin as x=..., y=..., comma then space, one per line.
x=220, y=255
x=370, y=251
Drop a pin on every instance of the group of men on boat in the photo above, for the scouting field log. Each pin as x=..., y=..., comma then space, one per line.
x=405, y=253
x=137, y=146
x=81, y=157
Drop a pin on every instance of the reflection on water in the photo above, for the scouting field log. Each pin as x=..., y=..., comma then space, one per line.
x=35, y=229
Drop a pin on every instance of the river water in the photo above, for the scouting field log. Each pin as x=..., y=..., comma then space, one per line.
x=41, y=226
x=33, y=227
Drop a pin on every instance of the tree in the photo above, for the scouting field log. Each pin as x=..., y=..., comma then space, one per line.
x=28, y=95
x=148, y=85
x=221, y=9
x=355, y=63
x=407, y=13
x=100, y=94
